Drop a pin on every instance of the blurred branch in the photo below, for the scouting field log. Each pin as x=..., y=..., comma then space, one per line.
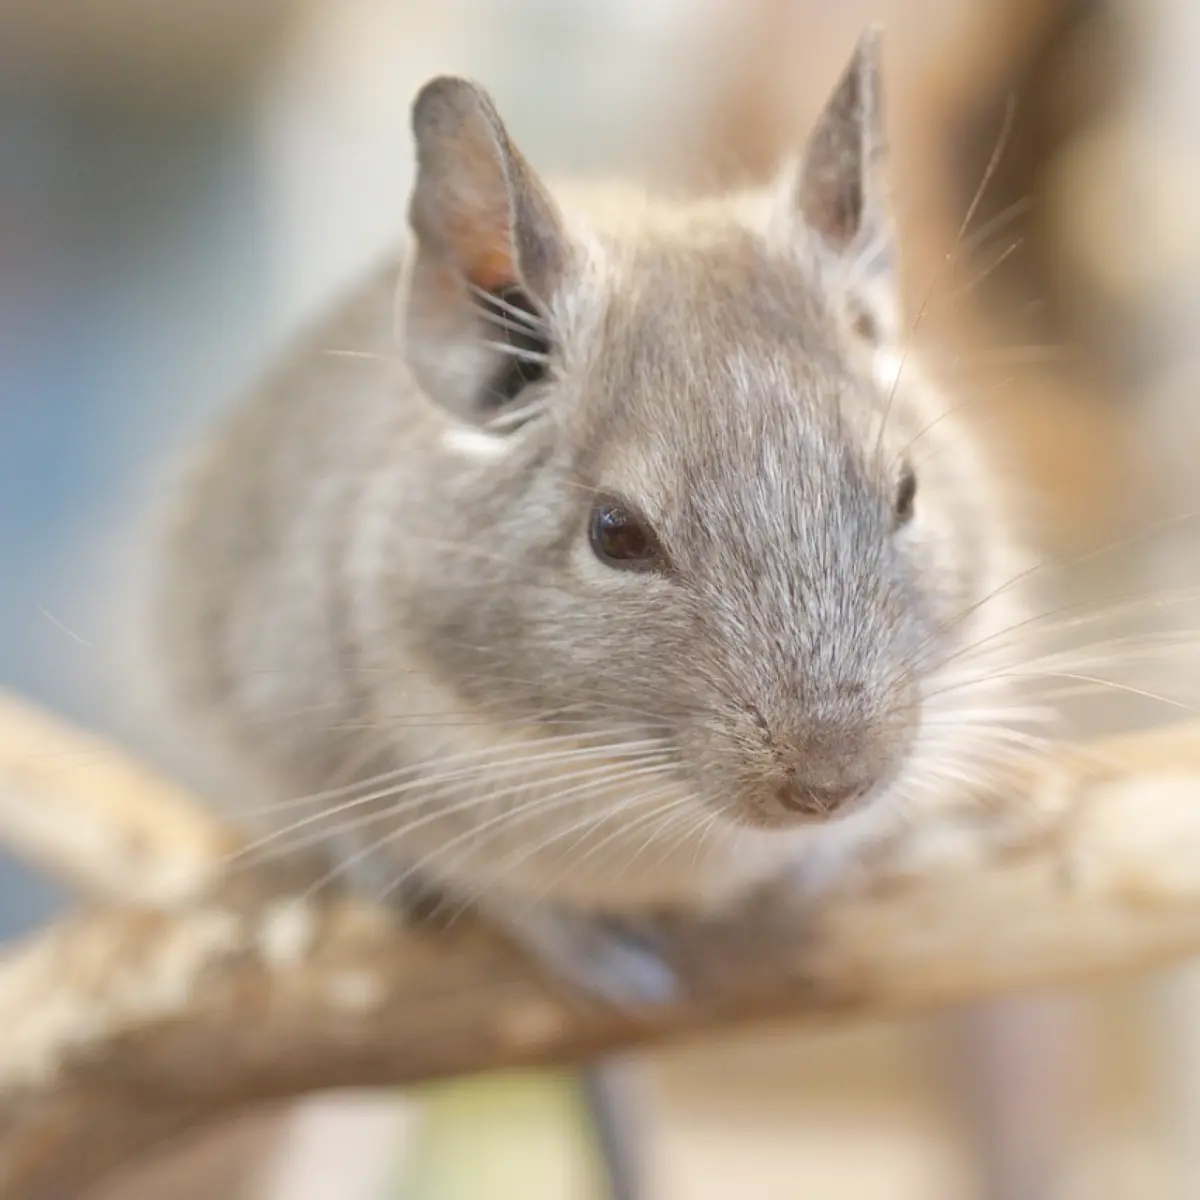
x=129, y=1024
x=107, y=826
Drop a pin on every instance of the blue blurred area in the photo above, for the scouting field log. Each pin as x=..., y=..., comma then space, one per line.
x=133, y=266
x=150, y=255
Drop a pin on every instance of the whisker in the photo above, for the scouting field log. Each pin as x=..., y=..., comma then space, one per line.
x=486, y=754
x=1129, y=689
x=667, y=800
x=540, y=805
x=705, y=834
x=534, y=320
x=373, y=355
x=589, y=821
x=989, y=171
x=964, y=291
x=358, y=824
x=1107, y=612
x=518, y=352
x=1041, y=624
x=428, y=793
x=996, y=224
x=974, y=396
x=502, y=321
x=678, y=817
x=582, y=828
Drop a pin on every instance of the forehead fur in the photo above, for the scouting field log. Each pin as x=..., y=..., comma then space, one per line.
x=714, y=389
x=710, y=352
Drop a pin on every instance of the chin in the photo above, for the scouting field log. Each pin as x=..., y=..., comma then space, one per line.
x=774, y=817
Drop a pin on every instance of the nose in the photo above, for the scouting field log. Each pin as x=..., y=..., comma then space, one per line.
x=822, y=760
x=810, y=800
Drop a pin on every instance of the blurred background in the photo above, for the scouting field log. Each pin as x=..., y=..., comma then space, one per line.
x=183, y=186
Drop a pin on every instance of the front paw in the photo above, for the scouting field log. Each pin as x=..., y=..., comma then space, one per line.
x=624, y=962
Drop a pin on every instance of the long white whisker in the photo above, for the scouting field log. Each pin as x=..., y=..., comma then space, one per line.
x=1110, y=609
x=989, y=171
x=485, y=754
x=427, y=794
x=541, y=804
x=670, y=805
x=1039, y=622
x=582, y=828
x=678, y=817
x=535, y=321
x=373, y=355
x=519, y=352
x=997, y=224
x=478, y=799
x=1109, y=683
x=501, y=321
x=967, y=288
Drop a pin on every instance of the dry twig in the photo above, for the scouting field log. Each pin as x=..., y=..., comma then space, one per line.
x=132, y=1023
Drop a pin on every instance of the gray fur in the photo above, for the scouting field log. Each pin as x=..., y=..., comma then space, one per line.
x=366, y=575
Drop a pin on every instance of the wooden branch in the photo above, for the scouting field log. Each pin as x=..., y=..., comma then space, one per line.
x=75, y=806
x=133, y=1023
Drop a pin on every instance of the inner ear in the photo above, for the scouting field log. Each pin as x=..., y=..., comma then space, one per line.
x=476, y=201
x=840, y=192
x=489, y=253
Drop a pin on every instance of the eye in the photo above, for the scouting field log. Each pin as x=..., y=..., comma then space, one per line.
x=622, y=539
x=906, y=495
x=519, y=331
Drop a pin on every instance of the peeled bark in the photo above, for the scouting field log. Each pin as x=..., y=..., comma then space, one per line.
x=133, y=1022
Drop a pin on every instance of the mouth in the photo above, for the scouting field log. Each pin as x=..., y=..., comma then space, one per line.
x=783, y=812
x=772, y=817
x=820, y=803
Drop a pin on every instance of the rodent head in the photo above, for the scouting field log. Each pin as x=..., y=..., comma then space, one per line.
x=684, y=501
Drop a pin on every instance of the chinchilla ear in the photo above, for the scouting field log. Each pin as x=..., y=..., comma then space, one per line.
x=840, y=189
x=489, y=253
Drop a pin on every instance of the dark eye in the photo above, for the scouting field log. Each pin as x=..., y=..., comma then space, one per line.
x=622, y=539
x=906, y=494
x=517, y=329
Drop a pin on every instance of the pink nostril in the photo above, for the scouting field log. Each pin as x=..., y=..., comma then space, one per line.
x=817, y=801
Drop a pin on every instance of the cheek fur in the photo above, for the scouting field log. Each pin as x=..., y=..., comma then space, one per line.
x=474, y=445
